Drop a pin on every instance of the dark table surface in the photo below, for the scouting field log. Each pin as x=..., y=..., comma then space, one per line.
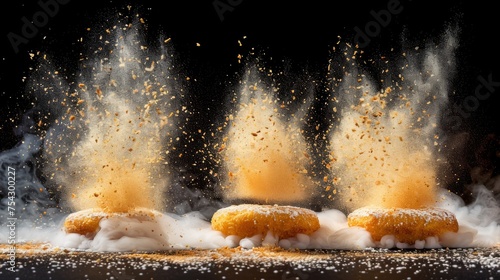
x=260, y=263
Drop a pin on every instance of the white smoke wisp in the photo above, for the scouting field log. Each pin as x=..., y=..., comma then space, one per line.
x=479, y=219
x=25, y=202
x=26, y=194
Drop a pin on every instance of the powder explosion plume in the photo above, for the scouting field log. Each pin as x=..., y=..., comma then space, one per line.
x=107, y=136
x=264, y=151
x=107, y=147
x=383, y=149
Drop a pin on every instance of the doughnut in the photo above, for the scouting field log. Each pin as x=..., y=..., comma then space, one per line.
x=86, y=222
x=247, y=220
x=405, y=224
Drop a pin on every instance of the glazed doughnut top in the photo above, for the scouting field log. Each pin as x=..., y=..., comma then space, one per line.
x=406, y=224
x=246, y=220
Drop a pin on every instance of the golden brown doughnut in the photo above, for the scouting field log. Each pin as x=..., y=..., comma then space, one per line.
x=247, y=220
x=407, y=225
x=86, y=222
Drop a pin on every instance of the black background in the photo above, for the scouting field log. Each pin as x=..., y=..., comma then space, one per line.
x=301, y=33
